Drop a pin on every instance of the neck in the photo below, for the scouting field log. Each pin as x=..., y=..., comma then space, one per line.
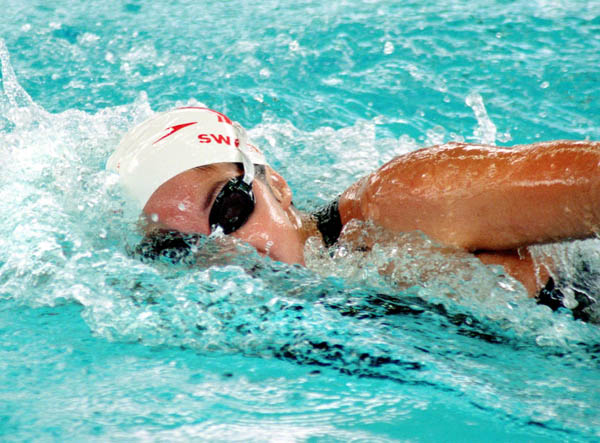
x=305, y=223
x=308, y=227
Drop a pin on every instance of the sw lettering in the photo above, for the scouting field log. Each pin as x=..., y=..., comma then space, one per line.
x=218, y=138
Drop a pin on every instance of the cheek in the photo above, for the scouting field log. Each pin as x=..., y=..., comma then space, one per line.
x=183, y=217
x=265, y=229
x=259, y=234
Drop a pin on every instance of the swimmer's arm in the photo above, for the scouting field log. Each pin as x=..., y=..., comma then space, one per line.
x=485, y=198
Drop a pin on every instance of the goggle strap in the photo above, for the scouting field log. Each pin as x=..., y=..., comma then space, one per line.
x=240, y=133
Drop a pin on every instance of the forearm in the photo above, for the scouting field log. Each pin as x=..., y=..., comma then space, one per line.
x=479, y=197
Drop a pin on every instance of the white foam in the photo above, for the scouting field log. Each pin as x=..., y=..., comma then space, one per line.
x=485, y=132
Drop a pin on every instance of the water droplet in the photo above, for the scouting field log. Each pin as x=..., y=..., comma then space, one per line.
x=388, y=48
x=504, y=137
x=181, y=206
x=154, y=218
x=268, y=247
x=332, y=81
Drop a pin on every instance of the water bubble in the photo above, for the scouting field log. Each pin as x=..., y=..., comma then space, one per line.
x=332, y=81
x=544, y=85
x=436, y=135
x=265, y=73
x=457, y=137
x=294, y=45
x=26, y=27
x=504, y=137
x=88, y=38
x=181, y=206
x=154, y=217
x=269, y=246
x=388, y=48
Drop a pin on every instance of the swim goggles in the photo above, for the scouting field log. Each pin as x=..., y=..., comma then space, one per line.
x=235, y=202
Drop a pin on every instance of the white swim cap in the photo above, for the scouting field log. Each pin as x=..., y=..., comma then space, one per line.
x=173, y=142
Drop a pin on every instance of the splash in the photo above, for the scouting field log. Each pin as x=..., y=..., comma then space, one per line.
x=485, y=132
x=67, y=230
x=16, y=106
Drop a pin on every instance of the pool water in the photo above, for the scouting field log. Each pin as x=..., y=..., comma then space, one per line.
x=98, y=345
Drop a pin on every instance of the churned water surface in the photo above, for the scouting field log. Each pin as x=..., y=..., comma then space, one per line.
x=97, y=345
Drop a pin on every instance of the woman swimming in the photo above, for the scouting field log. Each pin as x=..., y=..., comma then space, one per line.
x=192, y=171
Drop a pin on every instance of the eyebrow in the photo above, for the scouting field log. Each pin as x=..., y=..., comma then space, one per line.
x=208, y=196
x=213, y=190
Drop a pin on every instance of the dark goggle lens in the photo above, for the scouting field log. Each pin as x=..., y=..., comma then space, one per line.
x=232, y=207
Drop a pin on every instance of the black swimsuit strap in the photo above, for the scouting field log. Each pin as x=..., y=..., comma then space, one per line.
x=329, y=222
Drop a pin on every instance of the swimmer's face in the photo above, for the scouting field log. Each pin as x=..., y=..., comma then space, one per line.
x=184, y=202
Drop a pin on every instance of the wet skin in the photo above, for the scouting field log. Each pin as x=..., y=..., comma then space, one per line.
x=275, y=228
x=485, y=198
x=491, y=201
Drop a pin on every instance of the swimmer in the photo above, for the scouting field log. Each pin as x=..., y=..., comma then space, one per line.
x=192, y=171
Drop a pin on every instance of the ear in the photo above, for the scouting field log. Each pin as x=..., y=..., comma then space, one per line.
x=279, y=187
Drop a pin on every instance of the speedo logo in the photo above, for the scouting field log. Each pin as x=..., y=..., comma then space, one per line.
x=203, y=138
x=173, y=130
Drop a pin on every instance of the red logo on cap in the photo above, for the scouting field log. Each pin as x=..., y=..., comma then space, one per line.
x=174, y=129
x=221, y=118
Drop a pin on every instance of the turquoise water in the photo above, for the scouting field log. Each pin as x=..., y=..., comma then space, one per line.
x=99, y=346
